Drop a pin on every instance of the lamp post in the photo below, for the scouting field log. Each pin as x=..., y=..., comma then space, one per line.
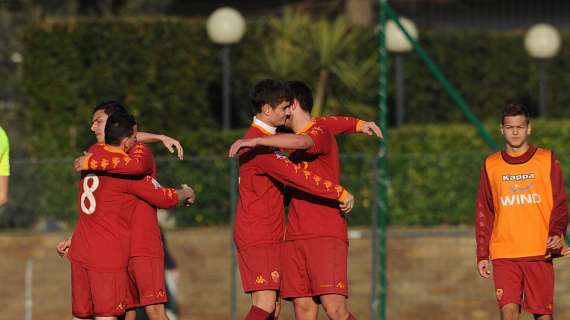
x=542, y=42
x=226, y=26
x=397, y=43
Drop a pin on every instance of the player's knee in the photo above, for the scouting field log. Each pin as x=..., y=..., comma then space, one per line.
x=510, y=311
x=155, y=312
x=336, y=311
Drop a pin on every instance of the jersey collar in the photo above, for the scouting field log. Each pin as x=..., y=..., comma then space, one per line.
x=264, y=127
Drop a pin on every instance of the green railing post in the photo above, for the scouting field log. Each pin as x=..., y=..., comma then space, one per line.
x=453, y=93
x=382, y=161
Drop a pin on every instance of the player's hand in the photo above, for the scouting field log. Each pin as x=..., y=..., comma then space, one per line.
x=191, y=195
x=484, y=268
x=348, y=203
x=371, y=128
x=63, y=247
x=554, y=243
x=171, y=144
x=79, y=162
x=241, y=143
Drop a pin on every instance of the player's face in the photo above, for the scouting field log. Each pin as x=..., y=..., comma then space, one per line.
x=516, y=130
x=280, y=113
x=98, y=125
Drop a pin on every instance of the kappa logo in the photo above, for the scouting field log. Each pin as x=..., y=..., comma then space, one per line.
x=275, y=276
x=499, y=294
x=260, y=280
x=340, y=285
x=519, y=177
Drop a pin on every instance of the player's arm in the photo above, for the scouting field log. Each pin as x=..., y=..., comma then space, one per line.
x=484, y=219
x=348, y=125
x=559, y=215
x=290, y=174
x=150, y=191
x=137, y=162
x=283, y=141
x=170, y=143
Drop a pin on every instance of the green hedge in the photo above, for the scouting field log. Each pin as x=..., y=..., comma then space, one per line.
x=169, y=73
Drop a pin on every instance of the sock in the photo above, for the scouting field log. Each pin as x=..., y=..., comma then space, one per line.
x=256, y=313
x=351, y=317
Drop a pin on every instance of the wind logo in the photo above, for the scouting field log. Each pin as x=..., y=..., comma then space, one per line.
x=520, y=199
x=519, y=177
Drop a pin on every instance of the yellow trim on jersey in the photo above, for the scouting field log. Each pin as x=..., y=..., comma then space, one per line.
x=262, y=129
x=4, y=153
x=115, y=149
x=306, y=127
x=359, y=125
x=343, y=196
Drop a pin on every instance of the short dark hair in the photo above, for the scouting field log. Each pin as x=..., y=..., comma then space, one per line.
x=110, y=107
x=119, y=125
x=270, y=92
x=514, y=109
x=301, y=91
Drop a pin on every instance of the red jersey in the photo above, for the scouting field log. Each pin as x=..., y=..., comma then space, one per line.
x=145, y=230
x=262, y=171
x=520, y=202
x=106, y=205
x=310, y=216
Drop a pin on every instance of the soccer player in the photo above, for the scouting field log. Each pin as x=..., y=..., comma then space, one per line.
x=147, y=252
x=316, y=231
x=521, y=218
x=4, y=166
x=259, y=226
x=99, y=253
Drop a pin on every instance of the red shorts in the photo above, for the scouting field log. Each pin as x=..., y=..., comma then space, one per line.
x=530, y=282
x=259, y=267
x=314, y=267
x=101, y=294
x=147, y=281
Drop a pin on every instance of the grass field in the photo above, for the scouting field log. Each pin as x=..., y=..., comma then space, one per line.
x=431, y=275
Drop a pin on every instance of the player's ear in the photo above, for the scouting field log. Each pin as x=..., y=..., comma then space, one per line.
x=501, y=128
x=528, y=129
x=266, y=109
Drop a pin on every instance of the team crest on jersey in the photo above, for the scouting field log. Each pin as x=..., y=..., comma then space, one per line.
x=275, y=276
x=260, y=280
x=279, y=155
x=499, y=294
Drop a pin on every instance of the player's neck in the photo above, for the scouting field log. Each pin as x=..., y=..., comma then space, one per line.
x=263, y=118
x=301, y=121
x=516, y=151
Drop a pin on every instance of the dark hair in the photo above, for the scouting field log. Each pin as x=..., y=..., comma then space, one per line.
x=270, y=92
x=119, y=125
x=301, y=91
x=514, y=109
x=110, y=107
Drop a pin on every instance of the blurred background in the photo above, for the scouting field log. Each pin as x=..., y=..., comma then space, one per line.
x=186, y=78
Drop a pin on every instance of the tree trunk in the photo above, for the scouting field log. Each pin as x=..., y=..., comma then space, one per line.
x=360, y=12
x=321, y=93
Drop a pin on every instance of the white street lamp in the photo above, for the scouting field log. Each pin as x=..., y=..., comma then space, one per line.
x=542, y=41
x=397, y=43
x=226, y=26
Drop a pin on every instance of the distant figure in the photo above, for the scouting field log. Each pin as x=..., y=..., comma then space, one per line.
x=521, y=219
x=4, y=166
